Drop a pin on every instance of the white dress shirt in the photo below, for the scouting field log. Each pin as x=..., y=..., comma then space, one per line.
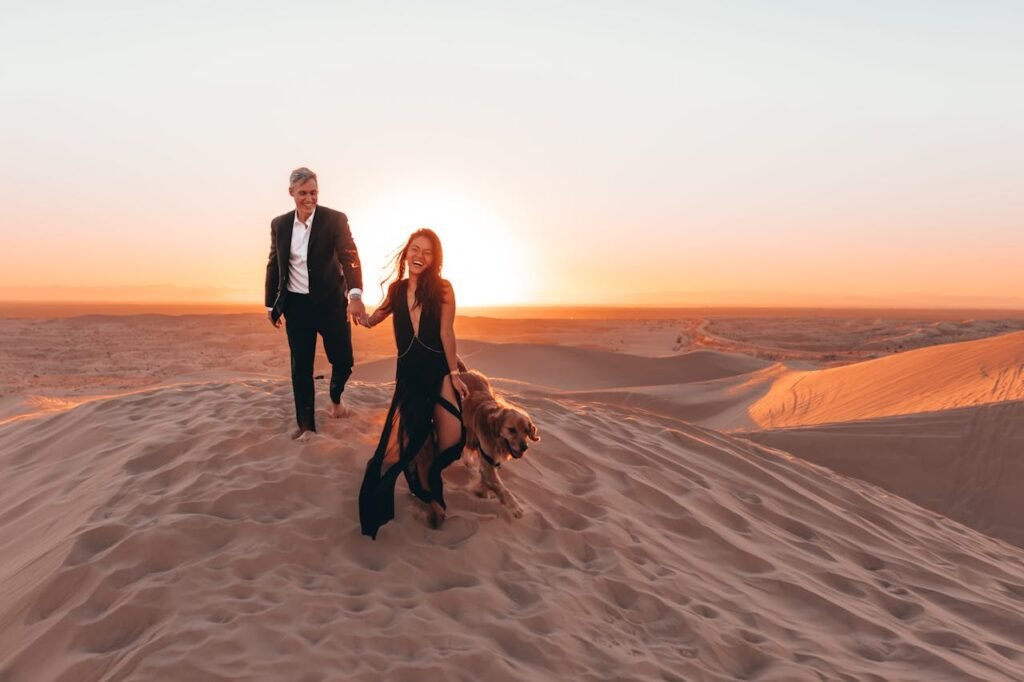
x=298, y=271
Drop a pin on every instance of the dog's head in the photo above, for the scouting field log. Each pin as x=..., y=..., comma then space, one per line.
x=512, y=428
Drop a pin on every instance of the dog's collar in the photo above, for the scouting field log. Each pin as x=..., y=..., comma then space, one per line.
x=490, y=460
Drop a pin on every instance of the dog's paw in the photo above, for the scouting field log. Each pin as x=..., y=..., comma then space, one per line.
x=517, y=511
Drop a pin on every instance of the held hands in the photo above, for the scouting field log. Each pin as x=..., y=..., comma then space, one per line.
x=357, y=312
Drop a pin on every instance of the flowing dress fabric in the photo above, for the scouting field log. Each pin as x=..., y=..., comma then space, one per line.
x=409, y=427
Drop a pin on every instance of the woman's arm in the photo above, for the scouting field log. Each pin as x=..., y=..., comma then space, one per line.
x=382, y=311
x=451, y=354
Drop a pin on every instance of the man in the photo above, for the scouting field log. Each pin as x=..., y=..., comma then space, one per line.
x=313, y=259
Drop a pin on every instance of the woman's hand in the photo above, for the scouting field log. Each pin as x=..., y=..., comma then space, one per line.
x=459, y=386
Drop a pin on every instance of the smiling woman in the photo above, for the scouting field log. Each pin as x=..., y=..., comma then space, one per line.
x=486, y=262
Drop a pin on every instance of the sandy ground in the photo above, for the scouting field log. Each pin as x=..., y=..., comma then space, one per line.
x=963, y=463
x=156, y=523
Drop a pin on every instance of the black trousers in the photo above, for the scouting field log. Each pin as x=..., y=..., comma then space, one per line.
x=303, y=321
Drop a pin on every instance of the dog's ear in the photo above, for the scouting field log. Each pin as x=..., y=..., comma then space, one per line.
x=495, y=418
x=532, y=432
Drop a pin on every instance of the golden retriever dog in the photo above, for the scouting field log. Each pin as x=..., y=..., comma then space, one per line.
x=498, y=432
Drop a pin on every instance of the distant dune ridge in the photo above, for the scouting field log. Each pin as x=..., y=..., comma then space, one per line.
x=924, y=380
x=171, y=531
x=568, y=368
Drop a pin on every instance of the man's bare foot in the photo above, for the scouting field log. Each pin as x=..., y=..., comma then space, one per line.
x=302, y=435
x=339, y=410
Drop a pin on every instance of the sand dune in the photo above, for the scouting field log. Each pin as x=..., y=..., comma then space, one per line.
x=175, y=534
x=155, y=524
x=924, y=380
x=966, y=464
x=734, y=392
x=716, y=403
x=572, y=368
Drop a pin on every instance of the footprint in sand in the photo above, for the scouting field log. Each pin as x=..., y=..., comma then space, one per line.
x=455, y=532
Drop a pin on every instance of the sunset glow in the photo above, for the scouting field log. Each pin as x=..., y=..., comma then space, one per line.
x=487, y=263
x=741, y=153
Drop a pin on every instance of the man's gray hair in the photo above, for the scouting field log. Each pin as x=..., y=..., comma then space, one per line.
x=299, y=176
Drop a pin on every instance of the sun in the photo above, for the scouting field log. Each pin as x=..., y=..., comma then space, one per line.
x=486, y=262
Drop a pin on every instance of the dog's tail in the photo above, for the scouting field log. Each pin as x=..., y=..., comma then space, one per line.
x=462, y=366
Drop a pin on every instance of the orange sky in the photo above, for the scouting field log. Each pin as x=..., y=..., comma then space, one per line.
x=818, y=154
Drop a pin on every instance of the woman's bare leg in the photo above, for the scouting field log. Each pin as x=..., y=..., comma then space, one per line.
x=449, y=432
x=392, y=453
x=449, y=428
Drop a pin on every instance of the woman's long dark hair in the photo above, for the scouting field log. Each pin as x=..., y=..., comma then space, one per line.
x=430, y=291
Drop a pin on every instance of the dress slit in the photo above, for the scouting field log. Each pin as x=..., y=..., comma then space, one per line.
x=418, y=380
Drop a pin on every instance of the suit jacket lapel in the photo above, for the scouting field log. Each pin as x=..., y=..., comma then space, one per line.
x=315, y=229
x=284, y=245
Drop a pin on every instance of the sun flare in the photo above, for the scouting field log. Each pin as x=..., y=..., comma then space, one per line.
x=486, y=262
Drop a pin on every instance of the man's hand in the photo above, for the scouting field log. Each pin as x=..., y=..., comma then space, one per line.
x=270, y=316
x=357, y=312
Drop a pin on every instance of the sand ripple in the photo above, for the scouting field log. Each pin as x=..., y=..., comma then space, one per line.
x=177, y=534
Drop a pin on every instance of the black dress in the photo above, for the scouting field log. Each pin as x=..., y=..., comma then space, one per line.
x=422, y=368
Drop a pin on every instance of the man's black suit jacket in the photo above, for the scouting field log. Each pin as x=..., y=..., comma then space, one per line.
x=332, y=258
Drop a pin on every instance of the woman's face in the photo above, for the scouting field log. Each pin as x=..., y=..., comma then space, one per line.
x=419, y=256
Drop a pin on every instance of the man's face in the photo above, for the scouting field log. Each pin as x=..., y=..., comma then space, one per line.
x=305, y=195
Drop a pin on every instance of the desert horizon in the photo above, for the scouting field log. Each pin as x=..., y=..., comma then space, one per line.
x=14, y=309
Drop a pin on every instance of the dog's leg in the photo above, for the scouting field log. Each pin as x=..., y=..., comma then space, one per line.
x=493, y=481
x=482, y=489
x=471, y=460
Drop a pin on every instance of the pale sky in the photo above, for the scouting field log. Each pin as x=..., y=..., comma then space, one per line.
x=566, y=152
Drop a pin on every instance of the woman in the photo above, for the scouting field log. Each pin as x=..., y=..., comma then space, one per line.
x=423, y=432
